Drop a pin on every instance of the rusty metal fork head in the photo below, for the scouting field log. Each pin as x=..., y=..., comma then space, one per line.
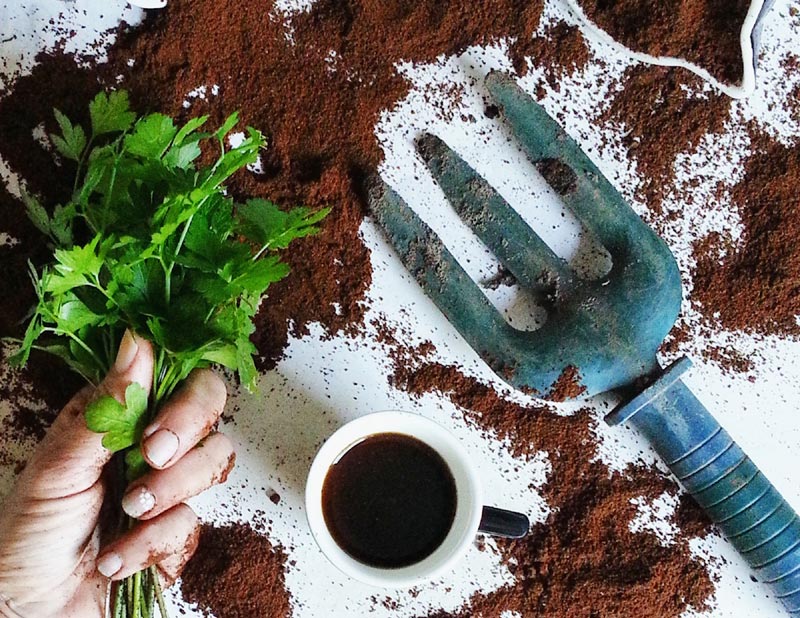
x=600, y=335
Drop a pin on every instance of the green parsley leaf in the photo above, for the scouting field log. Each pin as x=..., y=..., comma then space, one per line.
x=265, y=224
x=151, y=136
x=121, y=424
x=73, y=142
x=36, y=212
x=229, y=123
x=135, y=464
x=110, y=113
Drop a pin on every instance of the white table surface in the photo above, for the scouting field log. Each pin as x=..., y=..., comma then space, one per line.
x=323, y=382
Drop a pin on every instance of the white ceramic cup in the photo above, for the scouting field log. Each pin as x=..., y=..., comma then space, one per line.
x=469, y=499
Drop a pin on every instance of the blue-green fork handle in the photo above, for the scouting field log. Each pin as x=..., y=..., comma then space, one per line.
x=721, y=478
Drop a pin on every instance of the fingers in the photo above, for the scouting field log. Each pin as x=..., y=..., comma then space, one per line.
x=185, y=419
x=134, y=363
x=160, y=490
x=169, y=540
x=71, y=458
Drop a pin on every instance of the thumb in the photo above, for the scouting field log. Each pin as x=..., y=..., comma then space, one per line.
x=134, y=363
x=71, y=457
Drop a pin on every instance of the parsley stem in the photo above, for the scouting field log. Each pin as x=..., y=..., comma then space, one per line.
x=118, y=599
x=80, y=342
x=260, y=252
x=162, y=606
x=110, y=190
x=137, y=595
x=186, y=229
x=82, y=161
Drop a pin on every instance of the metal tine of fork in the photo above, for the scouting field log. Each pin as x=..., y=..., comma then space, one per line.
x=437, y=271
x=578, y=181
x=495, y=222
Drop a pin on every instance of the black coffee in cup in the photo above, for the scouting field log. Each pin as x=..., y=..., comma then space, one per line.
x=389, y=501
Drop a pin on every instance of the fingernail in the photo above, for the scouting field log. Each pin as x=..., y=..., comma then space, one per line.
x=109, y=565
x=138, y=501
x=127, y=352
x=161, y=447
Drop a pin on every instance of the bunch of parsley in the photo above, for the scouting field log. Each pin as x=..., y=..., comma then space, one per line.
x=151, y=242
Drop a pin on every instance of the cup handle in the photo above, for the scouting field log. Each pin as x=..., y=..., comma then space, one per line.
x=503, y=523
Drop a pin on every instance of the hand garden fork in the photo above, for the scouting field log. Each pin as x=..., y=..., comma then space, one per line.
x=604, y=334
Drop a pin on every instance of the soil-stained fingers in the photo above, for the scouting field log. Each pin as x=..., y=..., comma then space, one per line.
x=168, y=541
x=185, y=419
x=159, y=490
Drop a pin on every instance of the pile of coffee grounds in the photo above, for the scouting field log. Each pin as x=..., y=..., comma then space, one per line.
x=567, y=386
x=704, y=32
x=583, y=560
x=755, y=285
x=561, y=50
x=662, y=119
x=237, y=573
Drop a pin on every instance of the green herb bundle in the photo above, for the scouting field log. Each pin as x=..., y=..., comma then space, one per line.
x=151, y=242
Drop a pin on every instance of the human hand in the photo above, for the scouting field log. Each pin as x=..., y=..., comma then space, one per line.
x=53, y=561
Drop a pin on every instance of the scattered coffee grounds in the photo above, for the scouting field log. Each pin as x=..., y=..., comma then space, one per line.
x=583, y=560
x=704, y=32
x=662, y=120
x=568, y=385
x=755, y=286
x=729, y=358
x=237, y=573
x=561, y=50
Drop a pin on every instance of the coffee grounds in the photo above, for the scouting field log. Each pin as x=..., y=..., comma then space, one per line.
x=583, y=560
x=704, y=32
x=562, y=50
x=755, y=286
x=662, y=120
x=567, y=386
x=237, y=573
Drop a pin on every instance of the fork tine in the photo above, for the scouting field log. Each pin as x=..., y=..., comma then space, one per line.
x=581, y=185
x=437, y=271
x=510, y=238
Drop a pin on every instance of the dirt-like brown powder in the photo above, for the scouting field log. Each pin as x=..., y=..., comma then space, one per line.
x=567, y=386
x=562, y=50
x=583, y=560
x=661, y=120
x=705, y=32
x=755, y=285
x=237, y=573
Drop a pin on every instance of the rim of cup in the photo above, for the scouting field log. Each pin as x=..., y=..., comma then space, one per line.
x=469, y=497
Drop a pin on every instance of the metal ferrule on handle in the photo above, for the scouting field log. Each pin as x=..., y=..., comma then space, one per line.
x=721, y=478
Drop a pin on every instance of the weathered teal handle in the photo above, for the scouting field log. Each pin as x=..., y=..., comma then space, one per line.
x=721, y=478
